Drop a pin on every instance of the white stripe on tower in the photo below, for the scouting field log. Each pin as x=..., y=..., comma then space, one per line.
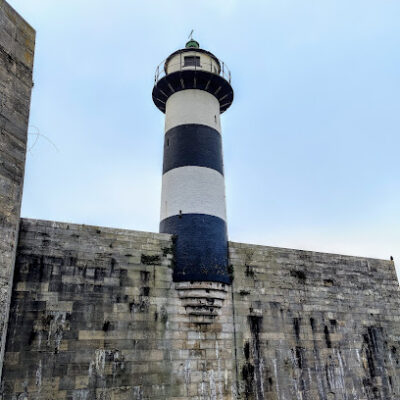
x=193, y=190
x=192, y=106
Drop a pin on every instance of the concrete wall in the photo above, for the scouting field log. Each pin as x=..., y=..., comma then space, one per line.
x=95, y=315
x=315, y=326
x=17, y=41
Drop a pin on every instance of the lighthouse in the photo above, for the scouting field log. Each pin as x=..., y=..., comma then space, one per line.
x=193, y=88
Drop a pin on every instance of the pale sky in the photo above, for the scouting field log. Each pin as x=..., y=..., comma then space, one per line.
x=311, y=143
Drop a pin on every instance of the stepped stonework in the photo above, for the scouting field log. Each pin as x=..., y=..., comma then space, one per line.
x=94, y=313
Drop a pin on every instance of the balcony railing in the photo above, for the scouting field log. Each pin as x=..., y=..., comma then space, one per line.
x=224, y=71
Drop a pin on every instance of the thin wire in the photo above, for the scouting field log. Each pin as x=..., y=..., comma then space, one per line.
x=38, y=135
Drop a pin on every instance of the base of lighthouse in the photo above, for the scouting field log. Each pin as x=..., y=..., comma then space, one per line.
x=201, y=247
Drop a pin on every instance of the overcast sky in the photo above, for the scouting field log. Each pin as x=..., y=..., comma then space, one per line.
x=311, y=143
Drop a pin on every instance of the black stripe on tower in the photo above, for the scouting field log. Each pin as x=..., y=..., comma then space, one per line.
x=201, y=248
x=193, y=145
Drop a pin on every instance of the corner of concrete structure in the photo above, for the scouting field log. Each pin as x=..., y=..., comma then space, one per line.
x=17, y=44
x=16, y=16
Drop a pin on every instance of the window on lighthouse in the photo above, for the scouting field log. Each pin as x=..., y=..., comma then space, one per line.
x=191, y=61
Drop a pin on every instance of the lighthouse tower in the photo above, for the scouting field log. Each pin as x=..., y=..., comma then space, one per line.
x=192, y=87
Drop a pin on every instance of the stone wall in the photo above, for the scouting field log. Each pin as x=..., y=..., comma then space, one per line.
x=95, y=315
x=315, y=326
x=17, y=40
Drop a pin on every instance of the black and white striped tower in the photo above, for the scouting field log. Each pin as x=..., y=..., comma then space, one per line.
x=192, y=87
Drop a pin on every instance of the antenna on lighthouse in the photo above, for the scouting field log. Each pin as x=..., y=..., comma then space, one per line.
x=190, y=37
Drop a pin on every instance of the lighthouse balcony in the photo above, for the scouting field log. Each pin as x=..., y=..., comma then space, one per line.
x=192, y=70
x=193, y=63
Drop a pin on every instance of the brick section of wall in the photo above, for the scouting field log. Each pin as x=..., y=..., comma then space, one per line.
x=315, y=326
x=17, y=40
x=95, y=315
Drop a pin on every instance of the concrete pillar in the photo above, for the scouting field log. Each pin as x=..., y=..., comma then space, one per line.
x=17, y=42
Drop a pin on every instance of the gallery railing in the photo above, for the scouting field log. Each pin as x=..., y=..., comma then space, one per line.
x=221, y=70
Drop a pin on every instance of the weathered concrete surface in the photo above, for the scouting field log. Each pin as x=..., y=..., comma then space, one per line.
x=315, y=326
x=17, y=40
x=95, y=315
